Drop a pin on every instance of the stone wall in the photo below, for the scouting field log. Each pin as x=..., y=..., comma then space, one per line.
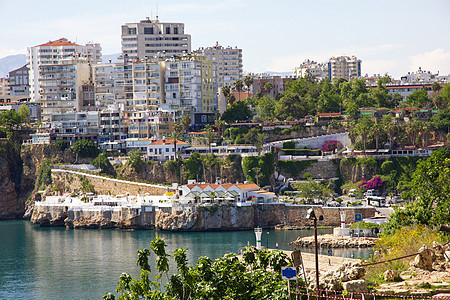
x=198, y=219
x=71, y=181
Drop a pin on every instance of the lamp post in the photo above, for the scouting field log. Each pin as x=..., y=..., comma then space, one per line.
x=312, y=216
x=267, y=240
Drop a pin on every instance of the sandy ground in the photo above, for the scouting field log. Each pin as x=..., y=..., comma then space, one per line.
x=326, y=263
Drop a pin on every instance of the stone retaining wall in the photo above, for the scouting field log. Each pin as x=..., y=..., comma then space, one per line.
x=199, y=219
x=70, y=181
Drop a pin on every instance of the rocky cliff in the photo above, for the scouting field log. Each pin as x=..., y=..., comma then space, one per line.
x=12, y=184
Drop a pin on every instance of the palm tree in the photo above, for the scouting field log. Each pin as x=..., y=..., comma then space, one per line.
x=364, y=128
x=259, y=142
x=412, y=129
x=220, y=125
x=268, y=86
x=209, y=135
x=248, y=80
x=377, y=131
x=186, y=122
x=388, y=122
x=256, y=170
x=175, y=135
x=238, y=85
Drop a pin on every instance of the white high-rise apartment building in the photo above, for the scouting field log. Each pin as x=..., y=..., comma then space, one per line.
x=311, y=68
x=60, y=85
x=50, y=53
x=189, y=85
x=150, y=38
x=345, y=67
x=114, y=84
x=228, y=61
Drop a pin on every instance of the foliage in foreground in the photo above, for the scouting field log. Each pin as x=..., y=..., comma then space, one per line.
x=407, y=240
x=257, y=276
x=431, y=189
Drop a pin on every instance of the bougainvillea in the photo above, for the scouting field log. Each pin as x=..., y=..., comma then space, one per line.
x=375, y=183
x=330, y=146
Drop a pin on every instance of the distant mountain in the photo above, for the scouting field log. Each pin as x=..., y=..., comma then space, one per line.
x=11, y=62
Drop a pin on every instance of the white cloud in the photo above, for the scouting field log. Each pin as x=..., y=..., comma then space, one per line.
x=434, y=61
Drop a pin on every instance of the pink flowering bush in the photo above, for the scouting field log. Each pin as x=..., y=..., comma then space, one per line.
x=330, y=146
x=375, y=183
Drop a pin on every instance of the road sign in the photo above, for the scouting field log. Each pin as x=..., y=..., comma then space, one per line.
x=358, y=217
x=288, y=273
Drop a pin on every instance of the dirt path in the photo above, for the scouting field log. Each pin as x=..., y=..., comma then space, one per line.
x=326, y=263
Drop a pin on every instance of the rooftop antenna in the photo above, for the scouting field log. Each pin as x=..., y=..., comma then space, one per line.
x=157, y=12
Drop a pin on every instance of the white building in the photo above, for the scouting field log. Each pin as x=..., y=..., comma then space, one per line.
x=344, y=67
x=114, y=84
x=150, y=38
x=237, y=192
x=311, y=68
x=228, y=61
x=50, y=53
x=163, y=150
x=189, y=85
x=60, y=85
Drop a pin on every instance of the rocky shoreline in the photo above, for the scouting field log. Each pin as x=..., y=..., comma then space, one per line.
x=331, y=241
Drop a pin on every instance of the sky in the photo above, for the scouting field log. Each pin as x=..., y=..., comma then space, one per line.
x=394, y=37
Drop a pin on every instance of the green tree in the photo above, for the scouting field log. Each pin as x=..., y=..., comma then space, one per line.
x=44, y=175
x=430, y=189
x=238, y=85
x=10, y=118
x=311, y=189
x=239, y=111
x=256, y=276
x=248, y=80
x=61, y=145
x=24, y=113
x=85, y=148
x=193, y=168
x=135, y=160
x=209, y=134
x=364, y=129
x=265, y=107
x=102, y=162
x=418, y=99
x=186, y=122
x=268, y=86
x=175, y=135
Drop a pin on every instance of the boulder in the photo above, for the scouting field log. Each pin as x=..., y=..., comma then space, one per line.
x=355, y=286
x=391, y=275
x=424, y=260
x=350, y=271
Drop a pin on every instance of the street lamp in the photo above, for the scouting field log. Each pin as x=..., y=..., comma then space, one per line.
x=310, y=215
x=267, y=240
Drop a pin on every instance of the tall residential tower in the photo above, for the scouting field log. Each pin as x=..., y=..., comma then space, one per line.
x=150, y=38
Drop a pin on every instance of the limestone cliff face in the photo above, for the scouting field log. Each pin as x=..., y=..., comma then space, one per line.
x=12, y=203
x=10, y=206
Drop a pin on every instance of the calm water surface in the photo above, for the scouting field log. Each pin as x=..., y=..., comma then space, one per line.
x=59, y=263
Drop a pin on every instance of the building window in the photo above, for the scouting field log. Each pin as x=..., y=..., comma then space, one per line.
x=148, y=30
x=131, y=30
x=167, y=30
x=175, y=30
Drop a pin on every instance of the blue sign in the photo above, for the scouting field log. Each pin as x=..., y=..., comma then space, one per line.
x=288, y=273
x=358, y=217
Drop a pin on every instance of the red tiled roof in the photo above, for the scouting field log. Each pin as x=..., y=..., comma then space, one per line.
x=60, y=42
x=167, y=142
x=226, y=186
x=246, y=186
